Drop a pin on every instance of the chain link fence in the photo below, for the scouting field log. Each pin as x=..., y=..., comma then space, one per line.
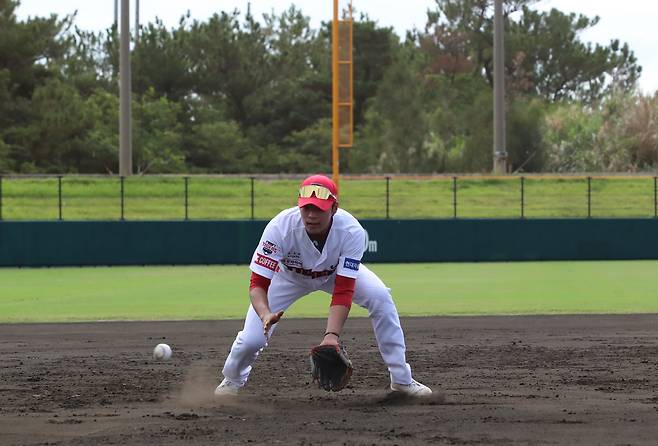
x=202, y=197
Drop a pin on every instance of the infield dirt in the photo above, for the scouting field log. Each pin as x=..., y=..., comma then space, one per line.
x=497, y=380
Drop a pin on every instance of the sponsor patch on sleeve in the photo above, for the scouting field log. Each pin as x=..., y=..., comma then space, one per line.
x=266, y=262
x=269, y=248
x=351, y=264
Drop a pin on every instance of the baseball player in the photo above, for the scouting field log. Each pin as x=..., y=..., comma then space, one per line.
x=316, y=246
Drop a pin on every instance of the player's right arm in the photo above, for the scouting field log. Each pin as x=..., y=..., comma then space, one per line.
x=264, y=264
x=259, y=301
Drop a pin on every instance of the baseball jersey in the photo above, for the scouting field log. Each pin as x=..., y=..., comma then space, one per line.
x=285, y=248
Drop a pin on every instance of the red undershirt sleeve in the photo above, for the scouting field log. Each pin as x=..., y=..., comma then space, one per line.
x=343, y=291
x=258, y=281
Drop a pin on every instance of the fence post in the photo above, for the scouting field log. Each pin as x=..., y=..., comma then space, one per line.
x=388, y=191
x=0, y=197
x=589, y=197
x=186, y=198
x=59, y=195
x=655, y=198
x=252, y=197
x=522, y=197
x=454, y=197
x=122, y=196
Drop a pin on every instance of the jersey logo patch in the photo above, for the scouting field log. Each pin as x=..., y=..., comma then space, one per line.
x=310, y=273
x=293, y=263
x=351, y=264
x=269, y=248
x=266, y=262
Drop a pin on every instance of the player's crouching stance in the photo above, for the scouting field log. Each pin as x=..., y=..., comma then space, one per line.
x=316, y=246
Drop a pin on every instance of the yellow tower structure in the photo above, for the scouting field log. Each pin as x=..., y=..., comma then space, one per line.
x=342, y=85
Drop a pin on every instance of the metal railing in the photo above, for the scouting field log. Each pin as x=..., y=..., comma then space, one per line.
x=80, y=197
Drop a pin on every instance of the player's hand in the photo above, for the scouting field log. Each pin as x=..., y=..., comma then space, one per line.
x=270, y=319
x=330, y=339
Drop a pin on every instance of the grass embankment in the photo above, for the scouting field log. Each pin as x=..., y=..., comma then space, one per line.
x=220, y=292
x=161, y=198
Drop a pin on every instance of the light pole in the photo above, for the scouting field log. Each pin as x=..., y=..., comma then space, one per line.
x=499, y=149
x=136, y=22
x=125, y=130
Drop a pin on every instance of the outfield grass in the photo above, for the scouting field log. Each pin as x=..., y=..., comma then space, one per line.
x=220, y=292
x=160, y=198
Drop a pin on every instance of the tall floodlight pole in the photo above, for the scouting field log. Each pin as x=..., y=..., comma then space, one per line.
x=499, y=149
x=125, y=131
x=335, y=126
x=136, y=22
x=116, y=12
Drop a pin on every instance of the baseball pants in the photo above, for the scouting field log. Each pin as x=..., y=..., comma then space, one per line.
x=369, y=293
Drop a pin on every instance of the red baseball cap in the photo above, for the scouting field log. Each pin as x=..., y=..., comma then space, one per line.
x=319, y=191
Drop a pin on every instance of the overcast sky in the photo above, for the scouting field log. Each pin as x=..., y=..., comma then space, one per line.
x=631, y=21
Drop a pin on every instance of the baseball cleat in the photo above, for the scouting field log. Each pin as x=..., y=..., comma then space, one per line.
x=227, y=388
x=413, y=389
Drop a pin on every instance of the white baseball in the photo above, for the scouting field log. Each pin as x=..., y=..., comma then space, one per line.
x=162, y=351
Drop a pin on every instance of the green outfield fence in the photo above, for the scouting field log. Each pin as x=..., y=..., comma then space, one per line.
x=229, y=197
x=94, y=243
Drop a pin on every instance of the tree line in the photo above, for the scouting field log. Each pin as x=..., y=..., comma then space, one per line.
x=237, y=94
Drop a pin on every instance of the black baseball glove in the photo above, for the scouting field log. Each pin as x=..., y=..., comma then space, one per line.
x=330, y=367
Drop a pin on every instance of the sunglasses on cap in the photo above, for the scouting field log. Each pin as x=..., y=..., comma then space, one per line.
x=320, y=192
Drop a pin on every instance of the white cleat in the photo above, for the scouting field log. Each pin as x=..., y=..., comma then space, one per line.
x=227, y=388
x=413, y=389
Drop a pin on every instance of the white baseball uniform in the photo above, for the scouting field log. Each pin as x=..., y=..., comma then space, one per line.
x=288, y=257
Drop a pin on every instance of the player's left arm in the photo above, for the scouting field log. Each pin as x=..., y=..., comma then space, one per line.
x=346, y=274
x=341, y=303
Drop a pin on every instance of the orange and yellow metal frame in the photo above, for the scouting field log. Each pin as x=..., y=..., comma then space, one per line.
x=342, y=85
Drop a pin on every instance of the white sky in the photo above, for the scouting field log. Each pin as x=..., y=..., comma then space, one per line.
x=631, y=21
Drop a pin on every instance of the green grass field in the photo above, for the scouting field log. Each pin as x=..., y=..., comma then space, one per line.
x=219, y=292
x=160, y=198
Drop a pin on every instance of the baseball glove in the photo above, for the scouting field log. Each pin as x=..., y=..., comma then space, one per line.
x=330, y=367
